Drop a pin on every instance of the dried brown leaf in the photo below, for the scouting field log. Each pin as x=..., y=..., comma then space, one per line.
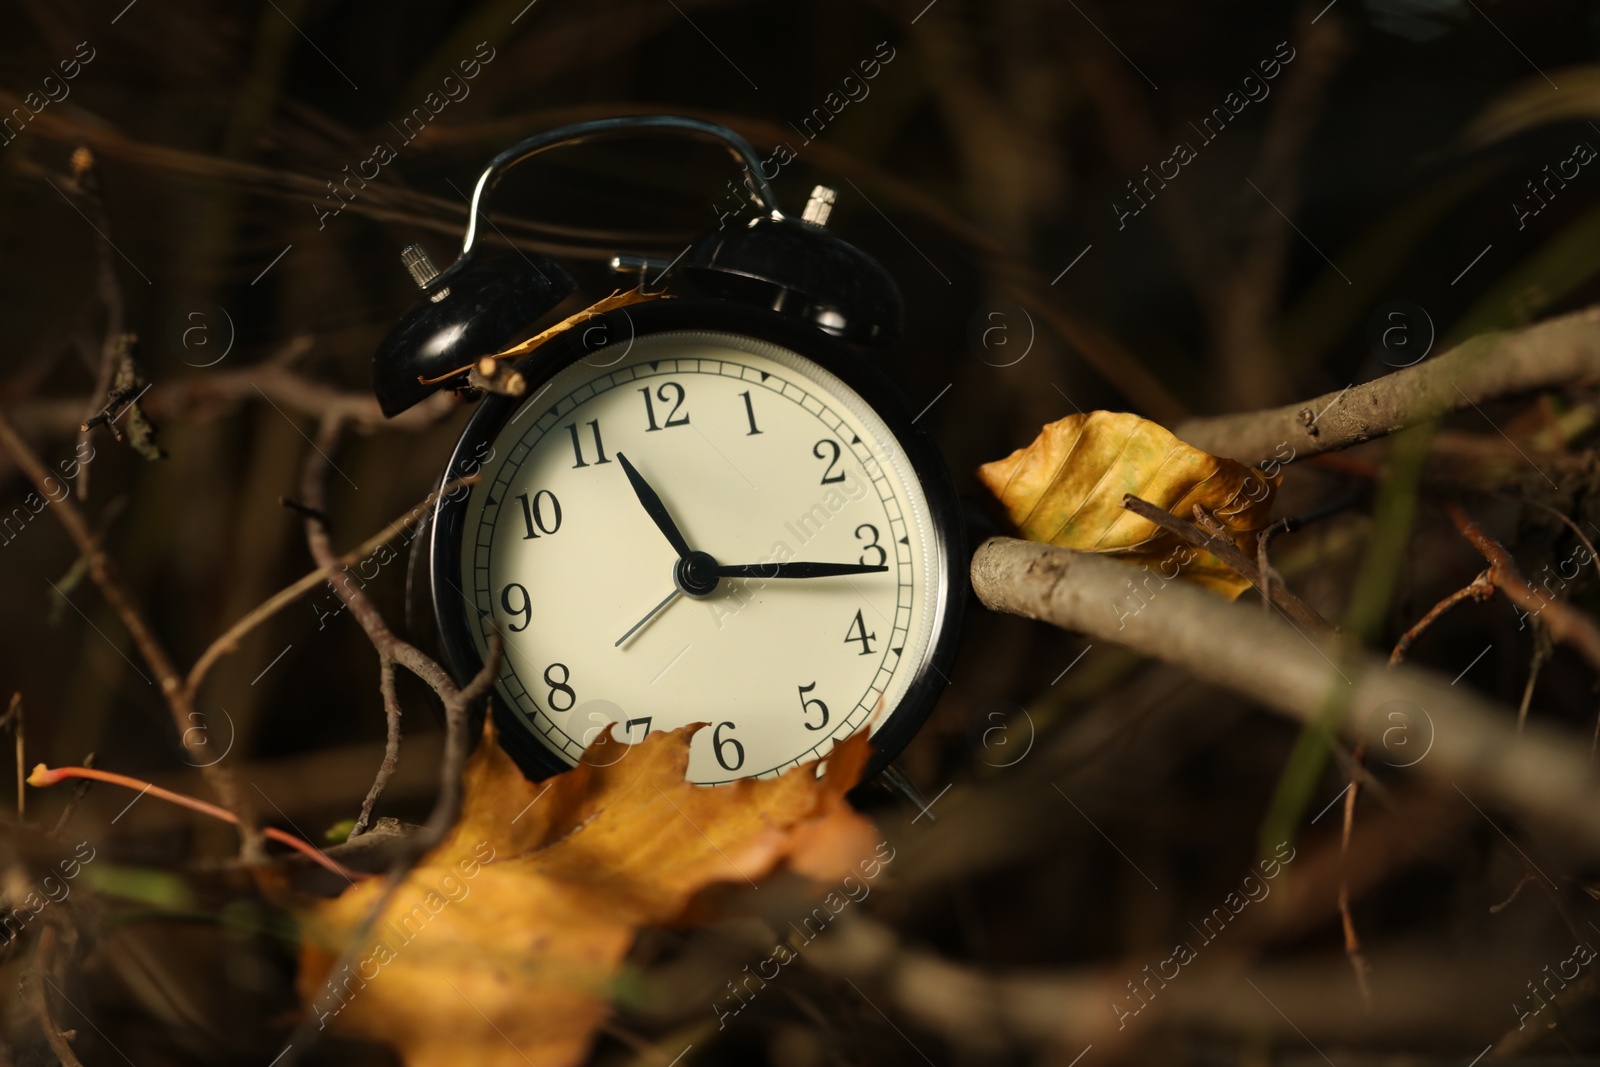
x=500, y=946
x=1066, y=488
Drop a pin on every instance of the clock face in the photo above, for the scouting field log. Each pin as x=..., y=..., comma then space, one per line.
x=760, y=457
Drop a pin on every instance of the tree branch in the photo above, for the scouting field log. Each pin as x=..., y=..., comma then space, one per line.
x=1474, y=742
x=1557, y=353
x=1278, y=595
x=1566, y=622
x=176, y=695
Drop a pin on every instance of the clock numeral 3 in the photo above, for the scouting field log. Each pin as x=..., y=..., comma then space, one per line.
x=661, y=394
x=807, y=705
x=818, y=450
x=577, y=446
x=533, y=513
x=525, y=609
x=858, y=632
x=750, y=413
x=871, y=546
x=559, y=685
x=719, y=744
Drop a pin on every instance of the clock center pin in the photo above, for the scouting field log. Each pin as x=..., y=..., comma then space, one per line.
x=696, y=574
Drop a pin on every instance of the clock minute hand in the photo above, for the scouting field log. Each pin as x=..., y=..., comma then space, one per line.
x=654, y=507
x=795, y=570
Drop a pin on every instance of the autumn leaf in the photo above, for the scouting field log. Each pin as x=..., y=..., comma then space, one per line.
x=1067, y=488
x=501, y=945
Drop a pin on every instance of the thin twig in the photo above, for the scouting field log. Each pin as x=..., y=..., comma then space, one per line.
x=229, y=641
x=177, y=697
x=43, y=776
x=1541, y=655
x=1229, y=553
x=1352, y=940
x=1566, y=623
x=392, y=650
x=391, y=743
x=86, y=182
x=33, y=985
x=1480, y=588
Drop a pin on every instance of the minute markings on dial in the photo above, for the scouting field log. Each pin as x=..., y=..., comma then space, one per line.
x=884, y=489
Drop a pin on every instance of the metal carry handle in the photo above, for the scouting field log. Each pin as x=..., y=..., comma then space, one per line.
x=602, y=129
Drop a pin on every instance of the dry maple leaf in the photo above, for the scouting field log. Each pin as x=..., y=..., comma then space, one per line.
x=1067, y=488
x=501, y=945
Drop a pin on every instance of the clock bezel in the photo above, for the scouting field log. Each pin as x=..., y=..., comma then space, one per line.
x=922, y=455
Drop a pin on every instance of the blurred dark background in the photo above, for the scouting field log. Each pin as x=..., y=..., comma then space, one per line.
x=980, y=165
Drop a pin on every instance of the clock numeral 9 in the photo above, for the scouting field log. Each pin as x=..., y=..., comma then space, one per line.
x=533, y=513
x=719, y=744
x=818, y=449
x=661, y=394
x=858, y=632
x=871, y=546
x=525, y=609
x=559, y=685
x=806, y=706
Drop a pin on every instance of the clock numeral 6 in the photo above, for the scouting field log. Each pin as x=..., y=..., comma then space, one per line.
x=858, y=632
x=559, y=685
x=525, y=609
x=661, y=394
x=819, y=449
x=807, y=705
x=533, y=513
x=719, y=744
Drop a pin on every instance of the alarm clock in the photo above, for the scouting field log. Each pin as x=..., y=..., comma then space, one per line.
x=704, y=507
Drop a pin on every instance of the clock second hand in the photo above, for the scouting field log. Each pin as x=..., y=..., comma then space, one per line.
x=652, y=613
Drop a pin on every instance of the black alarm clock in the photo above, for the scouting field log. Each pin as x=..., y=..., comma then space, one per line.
x=706, y=509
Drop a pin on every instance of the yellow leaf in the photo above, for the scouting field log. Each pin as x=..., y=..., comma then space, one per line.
x=618, y=299
x=1067, y=488
x=500, y=946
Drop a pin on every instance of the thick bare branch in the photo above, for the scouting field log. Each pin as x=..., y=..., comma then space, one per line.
x=1560, y=352
x=1474, y=743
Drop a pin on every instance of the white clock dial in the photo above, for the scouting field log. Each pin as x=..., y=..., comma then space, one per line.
x=760, y=456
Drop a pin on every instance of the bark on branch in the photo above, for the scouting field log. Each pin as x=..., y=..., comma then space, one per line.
x=1556, y=353
x=1474, y=744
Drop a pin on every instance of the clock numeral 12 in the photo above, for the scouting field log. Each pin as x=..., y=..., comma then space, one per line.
x=807, y=705
x=533, y=513
x=750, y=413
x=661, y=394
x=577, y=446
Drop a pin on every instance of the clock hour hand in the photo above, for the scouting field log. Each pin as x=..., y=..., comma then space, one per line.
x=654, y=507
x=796, y=570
